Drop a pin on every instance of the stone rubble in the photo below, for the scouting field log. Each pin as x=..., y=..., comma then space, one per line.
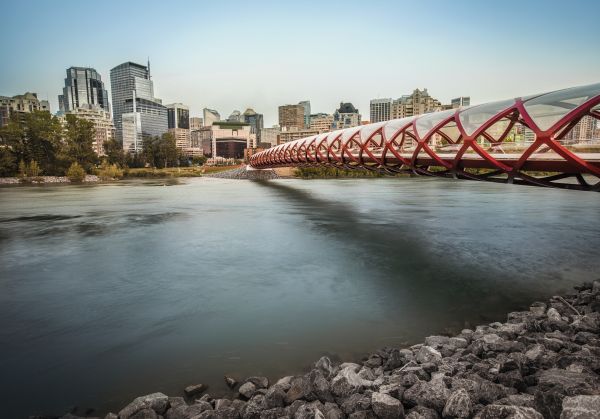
x=244, y=173
x=541, y=363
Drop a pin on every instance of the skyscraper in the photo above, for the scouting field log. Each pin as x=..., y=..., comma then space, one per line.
x=83, y=89
x=306, y=105
x=133, y=92
x=255, y=120
x=179, y=124
x=380, y=109
x=460, y=101
x=291, y=116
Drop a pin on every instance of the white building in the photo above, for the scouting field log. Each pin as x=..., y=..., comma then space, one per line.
x=380, y=110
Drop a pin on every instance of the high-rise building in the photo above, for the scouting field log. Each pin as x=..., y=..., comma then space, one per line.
x=178, y=116
x=291, y=116
x=583, y=131
x=306, y=105
x=195, y=123
x=285, y=136
x=227, y=139
x=25, y=103
x=83, y=89
x=133, y=92
x=210, y=116
x=380, y=110
x=321, y=122
x=417, y=103
x=345, y=116
x=236, y=116
x=255, y=120
x=104, y=129
x=460, y=102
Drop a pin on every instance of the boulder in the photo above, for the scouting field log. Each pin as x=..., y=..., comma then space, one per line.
x=581, y=407
x=480, y=390
x=421, y=412
x=436, y=341
x=247, y=389
x=259, y=382
x=187, y=412
x=347, y=382
x=145, y=414
x=458, y=405
x=253, y=407
x=433, y=394
x=325, y=365
x=569, y=383
x=497, y=411
x=320, y=386
x=155, y=401
x=356, y=402
x=386, y=406
x=300, y=388
x=275, y=397
x=553, y=315
x=428, y=354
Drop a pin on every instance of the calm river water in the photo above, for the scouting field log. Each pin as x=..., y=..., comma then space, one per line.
x=111, y=291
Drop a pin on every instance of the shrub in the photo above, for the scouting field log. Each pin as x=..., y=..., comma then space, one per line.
x=75, y=173
x=33, y=169
x=109, y=171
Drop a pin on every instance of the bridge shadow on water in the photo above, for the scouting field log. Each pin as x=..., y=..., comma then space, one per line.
x=399, y=258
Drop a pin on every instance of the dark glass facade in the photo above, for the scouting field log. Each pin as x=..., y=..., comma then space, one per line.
x=83, y=88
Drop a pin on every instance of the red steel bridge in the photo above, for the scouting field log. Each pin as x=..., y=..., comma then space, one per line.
x=538, y=140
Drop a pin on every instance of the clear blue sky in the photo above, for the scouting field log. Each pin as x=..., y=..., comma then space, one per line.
x=261, y=54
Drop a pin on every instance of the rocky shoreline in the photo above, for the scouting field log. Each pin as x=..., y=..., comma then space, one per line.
x=42, y=180
x=541, y=363
x=244, y=173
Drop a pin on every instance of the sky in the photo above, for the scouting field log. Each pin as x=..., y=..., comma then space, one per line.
x=228, y=55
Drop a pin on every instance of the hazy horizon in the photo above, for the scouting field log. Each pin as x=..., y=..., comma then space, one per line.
x=265, y=54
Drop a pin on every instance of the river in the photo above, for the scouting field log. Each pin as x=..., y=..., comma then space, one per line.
x=111, y=291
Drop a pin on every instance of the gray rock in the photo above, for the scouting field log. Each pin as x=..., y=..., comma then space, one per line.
x=247, y=389
x=458, y=343
x=320, y=386
x=553, y=315
x=300, y=388
x=275, y=397
x=480, y=390
x=285, y=382
x=524, y=400
x=325, y=365
x=421, y=412
x=347, y=381
x=145, y=414
x=433, y=394
x=386, y=406
x=155, y=401
x=111, y=415
x=436, y=341
x=308, y=411
x=259, y=382
x=356, y=402
x=194, y=389
x=176, y=401
x=458, y=405
x=581, y=407
x=496, y=411
x=569, y=383
x=187, y=412
x=428, y=354
x=538, y=308
x=332, y=411
x=254, y=407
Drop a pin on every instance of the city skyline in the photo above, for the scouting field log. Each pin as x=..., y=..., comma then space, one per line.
x=446, y=37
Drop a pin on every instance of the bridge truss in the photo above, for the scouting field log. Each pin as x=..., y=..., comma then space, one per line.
x=536, y=140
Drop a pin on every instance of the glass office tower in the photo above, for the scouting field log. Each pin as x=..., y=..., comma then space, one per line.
x=83, y=89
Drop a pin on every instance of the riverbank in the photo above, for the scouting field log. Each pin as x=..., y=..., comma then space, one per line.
x=541, y=363
x=39, y=180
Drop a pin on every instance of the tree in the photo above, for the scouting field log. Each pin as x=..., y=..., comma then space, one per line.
x=199, y=160
x=114, y=153
x=8, y=162
x=33, y=136
x=79, y=137
x=160, y=151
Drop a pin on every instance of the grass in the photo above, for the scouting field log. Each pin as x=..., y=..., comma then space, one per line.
x=195, y=171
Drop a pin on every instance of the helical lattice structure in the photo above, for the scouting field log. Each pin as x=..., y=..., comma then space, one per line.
x=548, y=139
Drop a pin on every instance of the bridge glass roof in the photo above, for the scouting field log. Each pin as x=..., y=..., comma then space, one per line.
x=473, y=118
x=426, y=122
x=547, y=109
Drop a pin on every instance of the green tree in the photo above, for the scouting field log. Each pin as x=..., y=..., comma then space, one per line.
x=109, y=171
x=199, y=160
x=33, y=169
x=8, y=162
x=160, y=151
x=114, y=152
x=75, y=172
x=77, y=147
x=34, y=136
